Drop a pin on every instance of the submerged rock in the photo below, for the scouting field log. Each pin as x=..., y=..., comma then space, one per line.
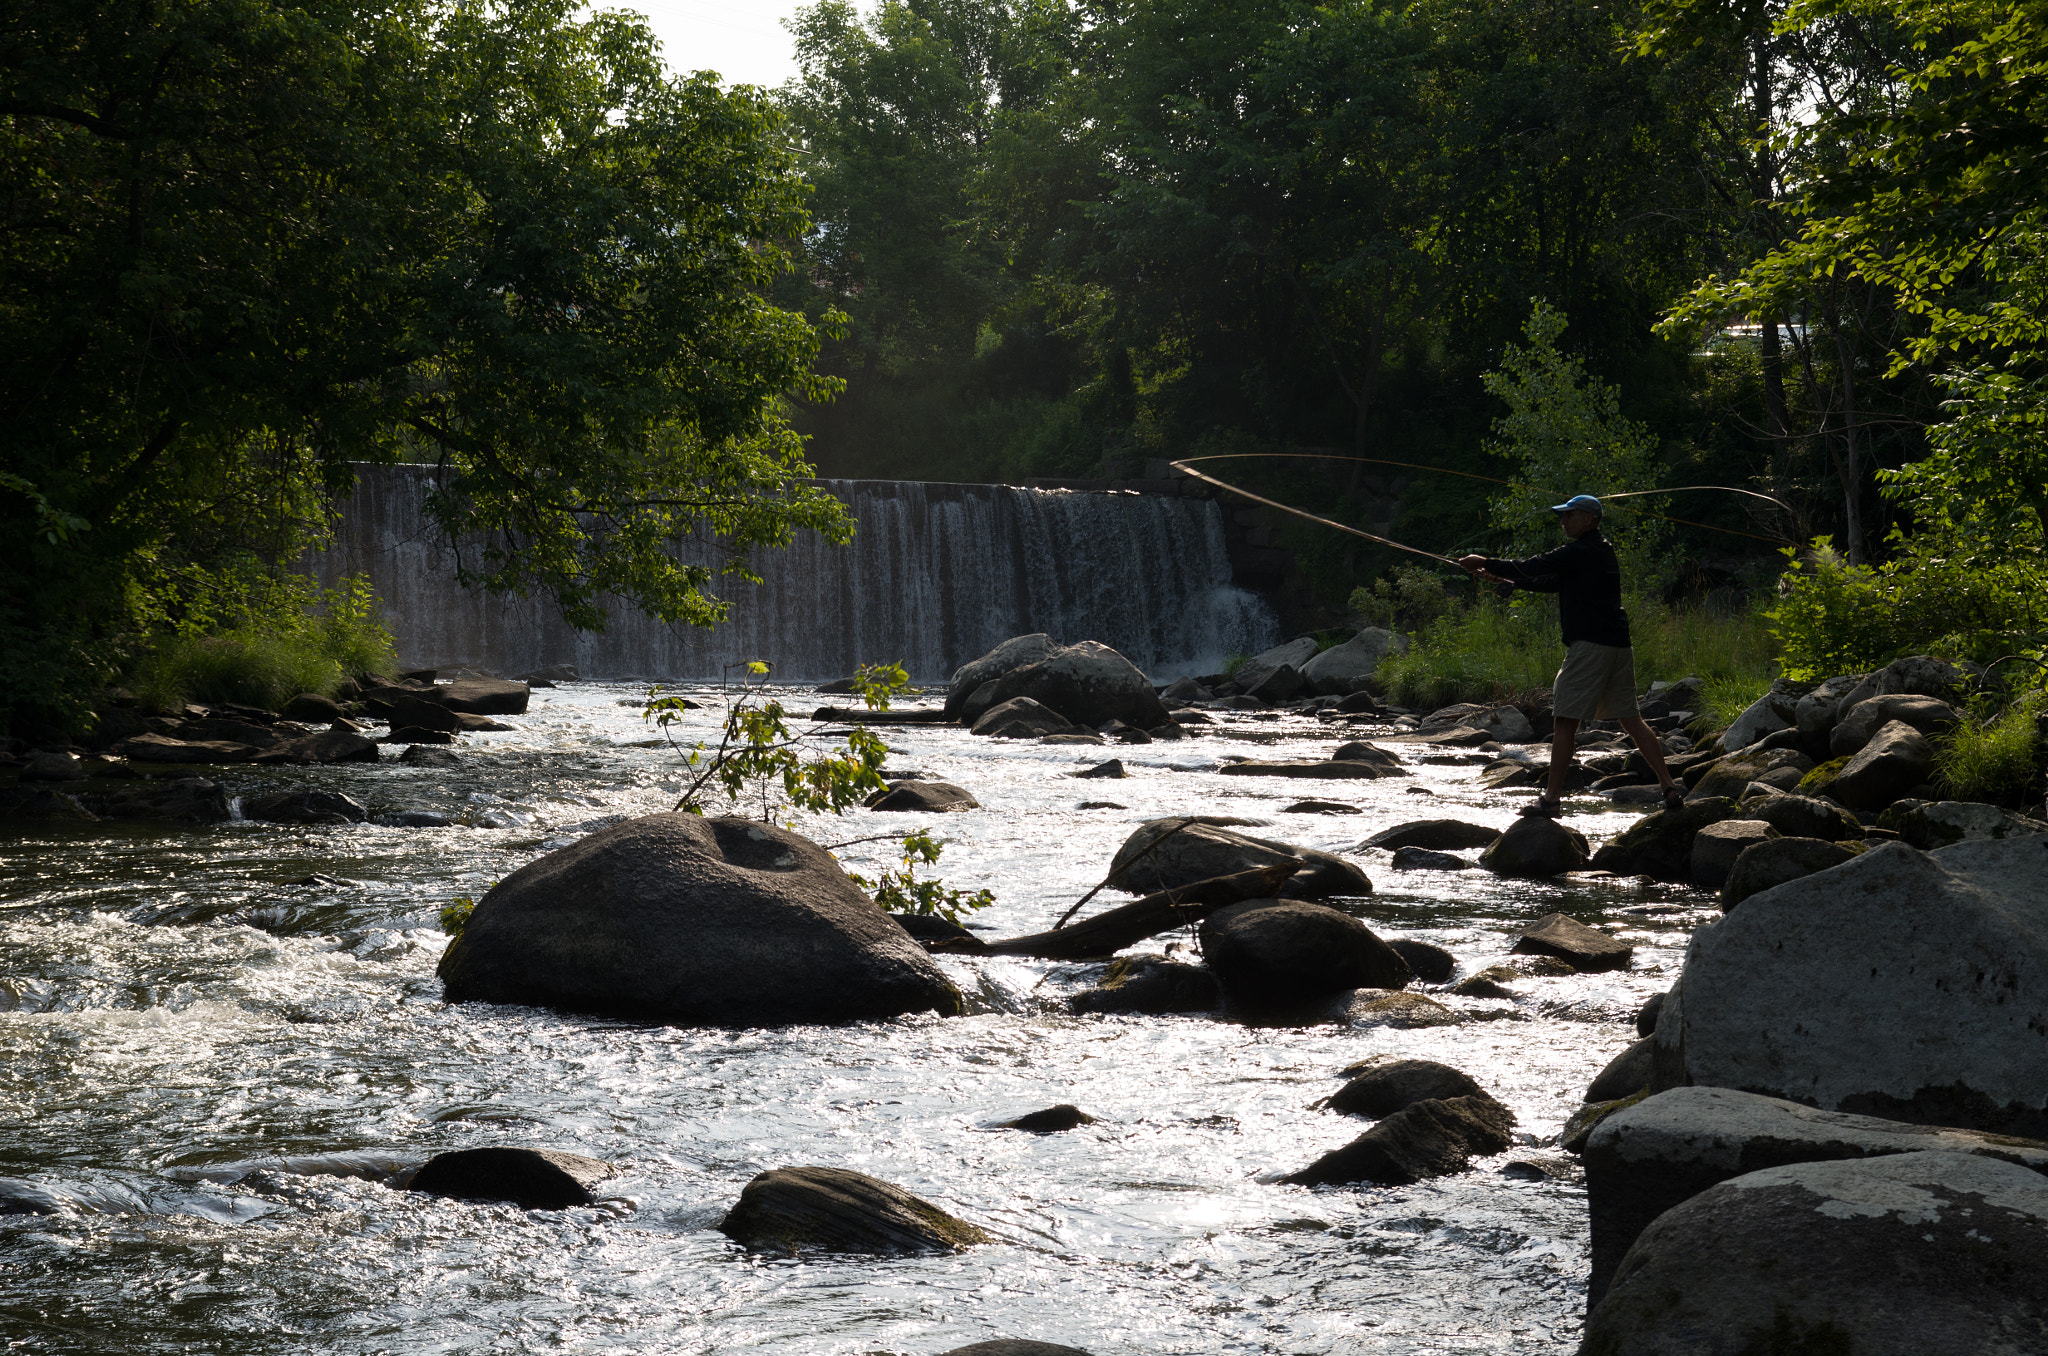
x=677, y=918
x=927, y=797
x=1013, y=1346
x=1386, y=1083
x=304, y=805
x=1162, y=854
x=532, y=1179
x=1422, y=859
x=1269, y=952
x=812, y=1209
x=1660, y=845
x=1052, y=1120
x=1436, y=835
x=1149, y=985
x=1535, y=847
x=1581, y=947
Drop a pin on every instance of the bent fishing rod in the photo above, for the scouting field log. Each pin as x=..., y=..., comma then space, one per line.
x=1185, y=468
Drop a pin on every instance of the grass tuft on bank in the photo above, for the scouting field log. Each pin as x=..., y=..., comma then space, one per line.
x=1996, y=761
x=1492, y=651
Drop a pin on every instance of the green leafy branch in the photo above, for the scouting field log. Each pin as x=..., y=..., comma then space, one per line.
x=902, y=892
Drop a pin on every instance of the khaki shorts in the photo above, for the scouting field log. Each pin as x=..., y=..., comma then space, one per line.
x=1597, y=681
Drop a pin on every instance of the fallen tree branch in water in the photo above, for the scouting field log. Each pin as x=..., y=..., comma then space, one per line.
x=1108, y=933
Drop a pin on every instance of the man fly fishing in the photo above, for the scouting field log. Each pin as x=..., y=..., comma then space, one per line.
x=1598, y=679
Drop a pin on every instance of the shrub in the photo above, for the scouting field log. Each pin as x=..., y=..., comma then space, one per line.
x=1996, y=761
x=1409, y=599
x=279, y=638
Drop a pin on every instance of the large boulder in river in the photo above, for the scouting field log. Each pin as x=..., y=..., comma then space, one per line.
x=704, y=922
x=1659, y=845
x=1088, y=684
x=1288, y=655
x=1164, y=853
x=1897, y=758
x=484, y=696
x=1901, y=984
x=1437, y=835
x=1347, y=668
x=1013, y=653
x=799, y=1210
x=1022, y=718
x=925, y=797
x=1776, y=861
x=1268, y=952
x=1903, y=1255
x=1642, y=1160
x=1386, y=1084
x=532, y=1179
x=1535, y=846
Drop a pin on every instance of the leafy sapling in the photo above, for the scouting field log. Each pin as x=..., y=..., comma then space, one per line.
x=902, y=892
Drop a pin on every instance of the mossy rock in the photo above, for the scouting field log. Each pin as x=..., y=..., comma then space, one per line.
x=1817, y=782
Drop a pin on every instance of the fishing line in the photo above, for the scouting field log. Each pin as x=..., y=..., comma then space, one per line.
x=1185, y=468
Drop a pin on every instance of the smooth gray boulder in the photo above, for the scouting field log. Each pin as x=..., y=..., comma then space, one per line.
x=694, y=921
x=304, y=805
x=924, y=796
x=1013, y=653
x=1424, y=1139
x=1924, y=676
x=1715, y=848
x=1022, y=718
x=1088, y=684
x=1363, y=751
x=1644, y=1159
x=1268, y=952
x=1536, y=847
x=1431, y=964
x=484, y=696
x=1901, y=984
x=1929, y=715
x=1659, y=845
x=1777, y=861
x=1437, y=835
x=532, y=1179
x=1283, y=684
x=1805, y=817
x=1928, y=825
x=1162, y=854
x=1897, y=758
x=1344, y=669
x=1628, y=1072
x=1290, y=654
x=1768, y=714
x=1817, y=711
x=1152, y=986
x=1587, y=950
x=831, y=1210
x=1504, y=723
x=1903, y=1255
x=1422, y=859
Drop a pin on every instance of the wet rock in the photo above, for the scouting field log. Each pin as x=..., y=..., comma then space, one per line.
x=1385, y=1084
x=1646, y=1018
x=1817, y=712
x=1773, y=711
x=1011, y=1346
x=812, y=1209
x=1584, y=949
x=1126, y=734
x=1315, y=769
x=407, y=712
x=1422, y=859
x=928, y=797
x=1022, y=718
x=1805, y=817
x=1363, y=751
x=1431, y=964
x=1100, y=805
x=1504, y=723
x=156, y=748
x=413, y=734
x=328, y=746
x=1358, y=704
x=1938, y=824
x=1581, y=1124
x=1659, y=1151
x=1052, y=1120
x=44, y=766
x=485, y=696
x=568, y=673
x=187, y=800
x=1184, y=690
x=1628, y=1072
x=930, y=930
x=1660, y=845
x=415, y=819
x=313, y=709
x=465, y=723
x=1715, y=848
x=532, y=1179
x=1399, y=1011
x=1438, y=835
x=1087, y=684
x=1269, y=952
x=1015, y=653
x=1488, y=983
x=1897, y=758
x=1149, y=985
x=1283, y=684
x=1424, y=1139
x=1345, y=669
x=1198, y=847
x=1901, y=984
x=422, y=755
x=1910, y=1253
x=1292, y=654
x=677, y=918
x=1169, y=732
x=304, y=805
x=1767, y=865
x=1535, y=847
x=1094, y=739
x=1320, y=807
x=1112, y=770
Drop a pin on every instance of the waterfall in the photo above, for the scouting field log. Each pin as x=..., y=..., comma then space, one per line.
x=937, y=575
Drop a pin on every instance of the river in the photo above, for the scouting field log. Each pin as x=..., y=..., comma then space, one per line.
x=173, y=1003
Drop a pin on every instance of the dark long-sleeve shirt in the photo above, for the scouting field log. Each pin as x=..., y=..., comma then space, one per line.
x=1586, y=578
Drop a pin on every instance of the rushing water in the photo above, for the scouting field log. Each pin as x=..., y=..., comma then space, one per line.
x=937, y=575
x=172, y=1003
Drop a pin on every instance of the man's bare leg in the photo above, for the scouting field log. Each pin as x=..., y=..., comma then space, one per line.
x=1564, y=739
x=1653, y=752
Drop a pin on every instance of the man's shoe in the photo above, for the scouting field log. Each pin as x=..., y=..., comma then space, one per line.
x=1674, y=798
x=1543, y=807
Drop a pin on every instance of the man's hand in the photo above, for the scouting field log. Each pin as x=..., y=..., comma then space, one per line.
x=1476, y=565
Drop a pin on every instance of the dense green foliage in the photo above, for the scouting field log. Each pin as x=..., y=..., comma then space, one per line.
x=1997, y=760
x=250, y=241
x=272, y=638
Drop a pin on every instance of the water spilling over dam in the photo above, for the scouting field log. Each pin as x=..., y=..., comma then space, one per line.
x=938, y=574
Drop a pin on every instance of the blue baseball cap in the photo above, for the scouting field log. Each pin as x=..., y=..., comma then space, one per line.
x=1577, y=503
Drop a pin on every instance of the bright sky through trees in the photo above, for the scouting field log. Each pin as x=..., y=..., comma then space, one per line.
x=743, y=40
